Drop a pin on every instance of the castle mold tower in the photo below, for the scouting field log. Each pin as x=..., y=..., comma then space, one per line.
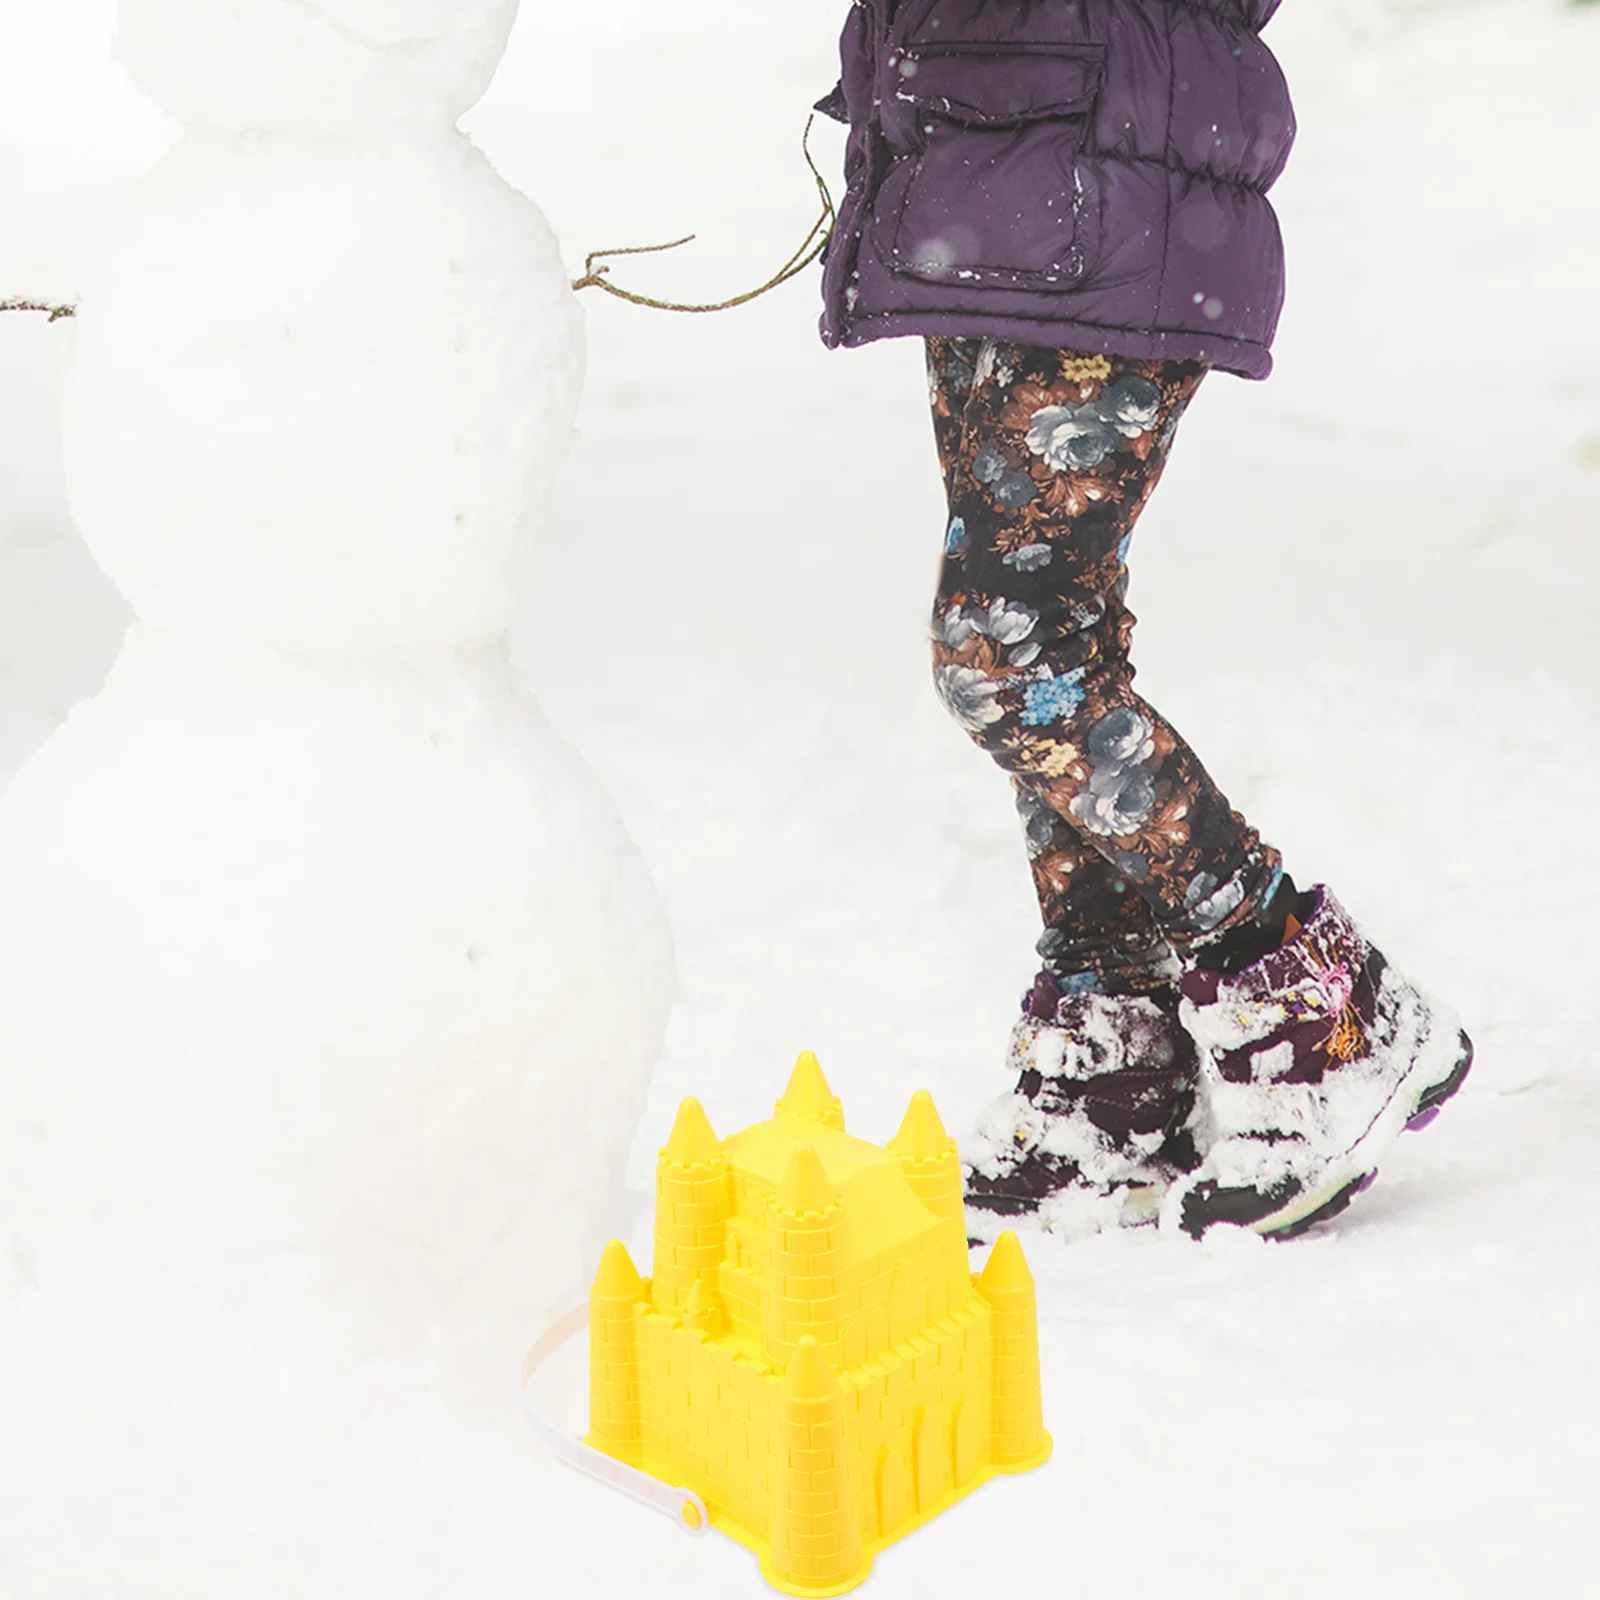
x=821, y=1367
x=694, y=1199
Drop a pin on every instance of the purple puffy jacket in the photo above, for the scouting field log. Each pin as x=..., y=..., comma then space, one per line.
x=1087, y=174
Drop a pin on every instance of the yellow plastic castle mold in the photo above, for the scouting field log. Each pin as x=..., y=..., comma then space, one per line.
x=812, y=1354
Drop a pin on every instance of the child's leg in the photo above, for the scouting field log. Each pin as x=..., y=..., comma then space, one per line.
x=1098, y=935
x=1049, y=457
x=1302, y=1052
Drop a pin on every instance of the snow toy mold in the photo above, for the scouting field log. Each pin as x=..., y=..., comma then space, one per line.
x=812, y=1356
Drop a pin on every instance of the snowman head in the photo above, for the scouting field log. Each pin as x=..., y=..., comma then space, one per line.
x=313, y=65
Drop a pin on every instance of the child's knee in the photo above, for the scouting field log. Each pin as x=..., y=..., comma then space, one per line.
x=1008, y=668
x=969, y=693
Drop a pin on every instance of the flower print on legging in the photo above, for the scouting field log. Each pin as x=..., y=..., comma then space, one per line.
x=1049, y=456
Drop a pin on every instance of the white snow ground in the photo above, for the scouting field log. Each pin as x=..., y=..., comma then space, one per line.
x=1367, y=590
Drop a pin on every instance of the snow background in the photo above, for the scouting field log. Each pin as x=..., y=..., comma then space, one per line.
x=1366, y=590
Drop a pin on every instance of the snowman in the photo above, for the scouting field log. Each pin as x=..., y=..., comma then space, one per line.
x=329, y=978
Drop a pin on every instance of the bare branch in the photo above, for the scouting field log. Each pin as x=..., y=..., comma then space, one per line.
x=54, y=313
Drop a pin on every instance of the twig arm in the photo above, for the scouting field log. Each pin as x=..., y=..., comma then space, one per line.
x=815, y=242
x=54, y=313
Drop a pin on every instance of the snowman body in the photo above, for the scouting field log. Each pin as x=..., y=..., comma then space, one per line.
x=329, y=978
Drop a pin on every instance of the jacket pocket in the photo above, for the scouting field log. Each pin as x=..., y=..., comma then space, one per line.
x=988, y=189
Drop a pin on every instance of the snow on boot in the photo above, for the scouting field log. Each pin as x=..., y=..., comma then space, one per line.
x=1313, y=1060
x=1094, y=1130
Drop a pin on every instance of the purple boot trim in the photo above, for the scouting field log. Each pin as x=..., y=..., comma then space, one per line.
x=1041, y=1000
x=1317, y=993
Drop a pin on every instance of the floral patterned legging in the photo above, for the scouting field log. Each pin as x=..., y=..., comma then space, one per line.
x=1049, y=456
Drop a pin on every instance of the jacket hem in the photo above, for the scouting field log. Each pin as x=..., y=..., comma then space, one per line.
x=1246, y=357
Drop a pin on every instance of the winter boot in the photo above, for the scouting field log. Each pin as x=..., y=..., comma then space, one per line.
x=1313, y=1060
x=1094, y=1131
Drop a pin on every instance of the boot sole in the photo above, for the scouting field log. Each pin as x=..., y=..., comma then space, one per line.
x=1277, y=1215
x=1432, y=1102
x=988, y=1214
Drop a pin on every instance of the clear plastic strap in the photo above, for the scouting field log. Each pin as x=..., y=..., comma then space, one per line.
x=684, y=1506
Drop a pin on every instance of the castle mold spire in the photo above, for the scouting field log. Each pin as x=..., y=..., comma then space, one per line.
x=1017, y=1438
x=694, y=1199
x=618, y=1295
x=927, y=1155
x=806, y=1253
x=808, y=1097
x=693, y=1141
x=816, y=1545
x=702, y=1311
